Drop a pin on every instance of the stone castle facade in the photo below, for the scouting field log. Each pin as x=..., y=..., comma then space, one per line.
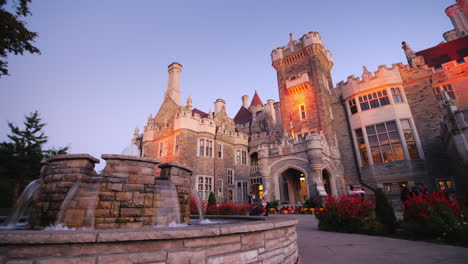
x=405, y=124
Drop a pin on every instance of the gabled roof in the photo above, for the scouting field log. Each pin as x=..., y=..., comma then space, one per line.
x=200, y=112
x=243, y=116
x=445, y=52
x=256, y=101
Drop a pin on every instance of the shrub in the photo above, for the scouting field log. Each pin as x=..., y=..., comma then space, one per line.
x=273, y=204
x=212, y=210
x=231, y=208
x=194, y=206
x=311, y=203
x=431, y=216
x=384, y=213
x=345, y=214
x=211, y=199
x=256, y=210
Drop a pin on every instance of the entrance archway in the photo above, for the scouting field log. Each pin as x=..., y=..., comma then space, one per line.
x=326, y=182
x=293, y=186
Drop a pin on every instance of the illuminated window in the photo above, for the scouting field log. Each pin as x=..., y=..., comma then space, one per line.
x=220, y=187
x=445, y=184
x=409, y=138
x=352, y=106
x=385, y=142
x=397, y=99
x=447, y=88
x=302, y=111
x=373, y=100
x=205, y=186
x=229, y=195
x=362, y=147
x=230, y=176
x=388, y=187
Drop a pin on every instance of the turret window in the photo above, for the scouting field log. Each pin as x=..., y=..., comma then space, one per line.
x=205, y=147
x=439, y=91
x=409, y=138
x=352, y=106
x=374, y=100
x=302, y=112
x=385, y=142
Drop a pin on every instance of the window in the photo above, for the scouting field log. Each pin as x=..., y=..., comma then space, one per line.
x=241, y=157
x=409, y=138
x=352, y=106
x=219, y=151
x=302, y=112
x=241, y=191
x=205, y=186
x=447, y=88
x=176, y=144
x=162, y=149
x=205, y=147
x=397, y=99
x=445, y=184
x=362, y=147
x=374, y=100
x=385, y=142
x=388, y=187
x=220, y=187
x=230, y=176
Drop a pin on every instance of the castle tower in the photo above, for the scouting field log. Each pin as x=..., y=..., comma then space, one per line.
x=459, y=18
x=304, y=83
x=173, y=82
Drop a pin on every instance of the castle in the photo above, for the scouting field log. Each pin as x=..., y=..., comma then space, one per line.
x=401, y=125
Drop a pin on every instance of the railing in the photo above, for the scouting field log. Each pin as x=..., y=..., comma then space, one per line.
x=254, y=170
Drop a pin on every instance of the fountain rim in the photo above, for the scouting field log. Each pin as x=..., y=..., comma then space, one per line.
x=72, y=157
x=131, y=158
x=11, y=237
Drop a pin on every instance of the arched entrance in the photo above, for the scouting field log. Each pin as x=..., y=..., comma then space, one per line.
x=326, y=182
x=293, y=186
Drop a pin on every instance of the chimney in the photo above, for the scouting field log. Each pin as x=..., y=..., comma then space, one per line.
x=173, y=82
x=218, y=106
x=245, y=101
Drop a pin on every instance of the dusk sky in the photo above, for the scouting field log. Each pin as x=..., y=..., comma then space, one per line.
x=103, y=67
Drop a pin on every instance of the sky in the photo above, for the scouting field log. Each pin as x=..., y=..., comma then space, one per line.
x=103, y=64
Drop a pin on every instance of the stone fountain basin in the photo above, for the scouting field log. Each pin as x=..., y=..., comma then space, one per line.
x=262, y=241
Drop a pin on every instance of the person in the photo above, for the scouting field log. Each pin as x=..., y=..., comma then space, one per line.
x=404, y=192
x=251, y=198
x=264, y=205
x=422, y=189
x=351, y=191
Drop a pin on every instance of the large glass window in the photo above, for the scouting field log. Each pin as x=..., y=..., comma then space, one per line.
x=241, y=191
x=409, y=138
x=447, y=88
x=385, y=142
x=241, y=157
x=396, y=95
x=220, y=151
x=205, y=147
x=205, y=186
x=362, y=147
x=230, y=176
x=176, y=144
x=374, y=100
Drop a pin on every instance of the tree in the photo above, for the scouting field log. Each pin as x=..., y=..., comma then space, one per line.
x=211, y=199
x=384, y=211
x=14, y=36
x=20, y=159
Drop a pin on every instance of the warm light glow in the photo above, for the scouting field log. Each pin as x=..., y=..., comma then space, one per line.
x=302, y=178
x=260, y=187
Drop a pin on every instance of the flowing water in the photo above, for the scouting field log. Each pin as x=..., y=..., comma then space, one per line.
x=199, y=204
x=22, y=205
x=167, y=207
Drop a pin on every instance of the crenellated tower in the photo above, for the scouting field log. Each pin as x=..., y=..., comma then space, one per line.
x=304, y=82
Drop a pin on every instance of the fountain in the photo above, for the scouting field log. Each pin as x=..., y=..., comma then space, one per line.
x=112, y=218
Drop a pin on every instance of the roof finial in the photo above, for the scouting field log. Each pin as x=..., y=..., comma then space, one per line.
x=366, y=75
x=291, y=37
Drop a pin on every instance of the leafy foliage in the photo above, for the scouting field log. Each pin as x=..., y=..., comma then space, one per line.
x=211, y=199
x=20, y=159
x=14, y=36
x=345, y=214
x=384, y=212
x=431, y=216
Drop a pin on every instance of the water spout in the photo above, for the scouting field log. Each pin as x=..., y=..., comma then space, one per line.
x=199, y=204
x=22, y=205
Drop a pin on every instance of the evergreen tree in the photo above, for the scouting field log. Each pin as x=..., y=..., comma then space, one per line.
x=384, y=211
x=211, y=199
x=20, y=159
x=14, y=36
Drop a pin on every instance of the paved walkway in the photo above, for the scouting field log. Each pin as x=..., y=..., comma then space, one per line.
x=318, y=247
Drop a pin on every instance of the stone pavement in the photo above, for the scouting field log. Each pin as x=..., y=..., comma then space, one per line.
x=318, y=247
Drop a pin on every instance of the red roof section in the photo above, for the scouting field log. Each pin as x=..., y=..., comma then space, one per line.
x=445, y=52
x=256, y=101
x=201, y=113
x=243, y=116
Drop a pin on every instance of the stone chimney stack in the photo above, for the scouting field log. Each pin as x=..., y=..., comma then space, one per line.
x=173, y=81
x=245, y=101
x=459, y=19
x=219, y=105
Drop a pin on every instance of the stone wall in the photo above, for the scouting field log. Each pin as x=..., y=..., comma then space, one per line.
x=59, y=174
x=269, y=241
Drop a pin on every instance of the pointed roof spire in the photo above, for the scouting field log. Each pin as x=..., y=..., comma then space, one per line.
x=150, y=118
x=291, y=37
x=256, y=101
x=366, y=75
